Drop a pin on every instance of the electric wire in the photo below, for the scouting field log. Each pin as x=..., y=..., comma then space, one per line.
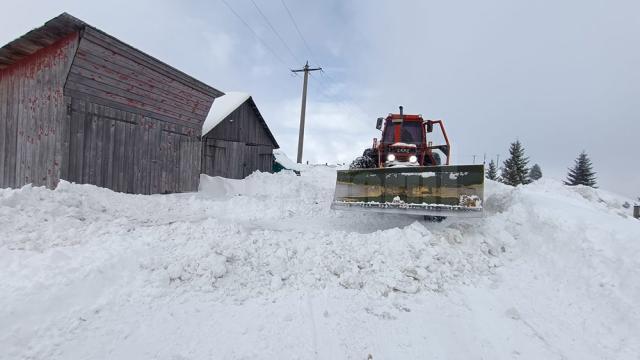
x=297, y=29
x=264, y=43
x=275, y=31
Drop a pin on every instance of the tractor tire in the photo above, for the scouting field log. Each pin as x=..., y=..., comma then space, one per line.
x=436, y=158
x=368, y=160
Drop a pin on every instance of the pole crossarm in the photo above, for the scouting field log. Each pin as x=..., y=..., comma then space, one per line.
x=309, y=69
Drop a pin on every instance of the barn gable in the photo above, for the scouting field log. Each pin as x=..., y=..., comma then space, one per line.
x=33, y=70
x=119, y=118
x=236, y=138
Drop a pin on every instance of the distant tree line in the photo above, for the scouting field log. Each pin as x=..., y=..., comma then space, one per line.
x=515, y=170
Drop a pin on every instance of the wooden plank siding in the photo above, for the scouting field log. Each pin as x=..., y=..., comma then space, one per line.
x=33, y=111
x=127, y=152
x=143, y=118
x=242, y=125
x=235, y=160
x=91, y=109
x=238, y=145
x=122, y=76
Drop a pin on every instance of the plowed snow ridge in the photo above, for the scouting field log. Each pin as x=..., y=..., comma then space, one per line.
x=262, y=268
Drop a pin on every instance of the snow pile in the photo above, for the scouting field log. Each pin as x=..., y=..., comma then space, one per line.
x=261, y=268
x=283, y=159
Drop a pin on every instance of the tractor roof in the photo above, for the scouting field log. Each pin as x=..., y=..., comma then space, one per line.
x=405, y=117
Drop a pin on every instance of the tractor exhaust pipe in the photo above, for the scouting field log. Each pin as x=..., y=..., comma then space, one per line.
x=401, y=110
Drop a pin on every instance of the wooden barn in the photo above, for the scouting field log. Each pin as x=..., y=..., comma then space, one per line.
x=80, y=105
x=236, y=140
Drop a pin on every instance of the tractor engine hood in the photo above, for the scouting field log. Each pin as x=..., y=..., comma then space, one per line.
x=403, y=148
x=401, y=154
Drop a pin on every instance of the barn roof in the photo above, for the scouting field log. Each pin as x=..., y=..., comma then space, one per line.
x=222, y=107
x=225, y=105
x=62, y=26
x=36, y=39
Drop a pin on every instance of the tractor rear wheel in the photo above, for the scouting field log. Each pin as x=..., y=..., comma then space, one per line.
x=436, y=159
x=368, y=160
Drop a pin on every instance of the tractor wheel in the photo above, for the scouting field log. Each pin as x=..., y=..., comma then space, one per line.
x=368, y=160
x=436, y=158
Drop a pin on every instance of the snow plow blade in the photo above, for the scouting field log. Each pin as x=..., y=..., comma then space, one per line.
x=426, y=190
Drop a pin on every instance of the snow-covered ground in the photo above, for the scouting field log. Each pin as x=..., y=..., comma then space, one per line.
x=263, y=269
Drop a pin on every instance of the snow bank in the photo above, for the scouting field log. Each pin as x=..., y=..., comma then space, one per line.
x=262, y=268
x=283, y=159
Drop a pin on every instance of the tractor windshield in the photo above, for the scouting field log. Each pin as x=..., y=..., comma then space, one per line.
x=410, y=132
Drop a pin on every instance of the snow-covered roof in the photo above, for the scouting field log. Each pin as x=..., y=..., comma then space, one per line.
x=283, y=159
x=222, y=107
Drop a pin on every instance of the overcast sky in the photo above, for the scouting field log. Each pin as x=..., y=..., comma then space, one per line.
x=560, y=76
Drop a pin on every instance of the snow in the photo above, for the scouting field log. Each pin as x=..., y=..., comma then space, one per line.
x=401, y=144
x=222, y=107
x=284, y=160
x=398, y=164
x=261, y=268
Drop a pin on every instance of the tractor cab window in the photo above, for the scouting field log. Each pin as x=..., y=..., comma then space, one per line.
x=410, y=133
x=389, y=132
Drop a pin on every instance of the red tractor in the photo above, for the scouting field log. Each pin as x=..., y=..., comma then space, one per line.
x=404, y=173
x=404, y=142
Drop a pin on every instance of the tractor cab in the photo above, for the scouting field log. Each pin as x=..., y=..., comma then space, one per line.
x=404, y=141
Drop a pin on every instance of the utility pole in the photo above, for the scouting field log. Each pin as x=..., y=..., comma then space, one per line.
x=306, y=69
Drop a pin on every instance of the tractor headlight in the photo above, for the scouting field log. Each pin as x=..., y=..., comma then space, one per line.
x=413, y=159
x=391, y=157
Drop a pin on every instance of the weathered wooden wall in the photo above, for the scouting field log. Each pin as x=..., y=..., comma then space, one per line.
x=128, y=152
x=135, y=122
x=91, y=109
x=234, y=159
x=238, y=146
x=109, y=72
x=245, y=127
x=32, y=116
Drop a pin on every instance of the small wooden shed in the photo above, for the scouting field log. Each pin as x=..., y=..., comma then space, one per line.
x=236, y=140
x=80, y=105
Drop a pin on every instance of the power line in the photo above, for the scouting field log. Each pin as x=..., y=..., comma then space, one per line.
x=325, y=77
x=325, y=74
x=306, y=44
x=347, y=105
x=275, y=31
x=297, y=29
x=255, y=33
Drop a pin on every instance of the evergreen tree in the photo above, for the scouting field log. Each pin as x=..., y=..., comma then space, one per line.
x=535, y=173
x=492, y=171
x=514, y=171
x=582, y=172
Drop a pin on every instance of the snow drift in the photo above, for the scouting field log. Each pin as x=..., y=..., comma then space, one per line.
x=261, y=268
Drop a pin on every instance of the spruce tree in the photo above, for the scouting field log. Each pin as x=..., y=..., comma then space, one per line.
x=492, y=171
x=535, y=173
x=582, y=172
x=514, y=171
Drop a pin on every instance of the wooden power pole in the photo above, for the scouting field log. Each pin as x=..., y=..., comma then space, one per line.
x=306, y=69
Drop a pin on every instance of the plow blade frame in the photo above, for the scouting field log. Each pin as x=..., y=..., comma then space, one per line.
x=452, y=190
